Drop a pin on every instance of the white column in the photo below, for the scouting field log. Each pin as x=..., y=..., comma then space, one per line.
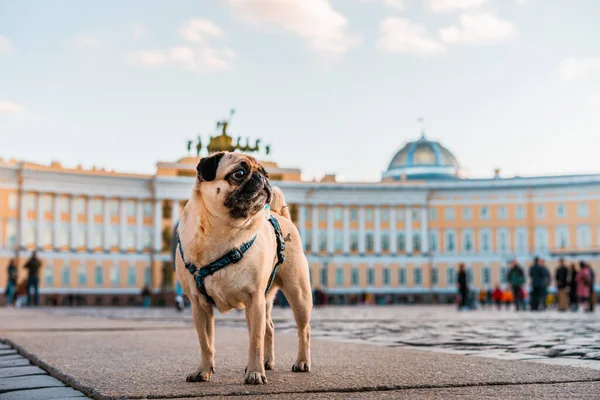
x=123, y=224
x=139, y=226
x=56, y=219
x=330, y=229
x=157, y=225
x=408, y=230
x=73, y=223
x=346, y=231
x=424, y=230
x=90, y=223
x=24, y=220
x=176, y=212
x=302, y=222
x=361, y=230
x=377, y=238
x=39, y=222
x=393, y=239
x=315, y=229
x=106, y=240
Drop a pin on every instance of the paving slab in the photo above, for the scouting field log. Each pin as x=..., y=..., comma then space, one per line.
x=20, y=362
x=7, y=352
x=11, y=357
x=28, y=382
x=139, y=364
x=53, y=393
x=20, y=371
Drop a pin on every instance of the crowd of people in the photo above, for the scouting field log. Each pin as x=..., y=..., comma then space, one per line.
x=574, y=287
x=26, y=291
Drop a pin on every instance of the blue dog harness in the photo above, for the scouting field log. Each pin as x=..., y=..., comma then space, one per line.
x=233, y=257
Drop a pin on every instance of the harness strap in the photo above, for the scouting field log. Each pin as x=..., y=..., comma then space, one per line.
x=232, y=257
x=280, y=249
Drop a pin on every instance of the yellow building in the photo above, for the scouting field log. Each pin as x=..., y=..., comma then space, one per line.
x=102, y=235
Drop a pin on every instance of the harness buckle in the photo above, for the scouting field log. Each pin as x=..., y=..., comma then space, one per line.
x=235, y=255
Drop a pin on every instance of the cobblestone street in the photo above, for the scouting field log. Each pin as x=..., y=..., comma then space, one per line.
x=550, y=337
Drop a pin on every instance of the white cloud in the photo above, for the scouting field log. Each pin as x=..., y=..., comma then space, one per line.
x=199, y=55
x=453, y=5
x=397, y=4
x=138, y=31
x=398, y=35
x=594, y=102
x=199, y=30
x=324, y=29
x=5, y=45
x=7, y=107
x=572, y=68
x=84, y=41
x=479, y=28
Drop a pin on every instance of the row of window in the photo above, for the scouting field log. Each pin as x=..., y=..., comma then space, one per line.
x=451, y=276
x=353, y=235
x=450, y=212
x=79, y=235
x=369, y=214
x=82, y=276
x=484, y=244
x=79, y=203
x=520, y=212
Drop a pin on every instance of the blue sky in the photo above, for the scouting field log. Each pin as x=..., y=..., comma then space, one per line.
x=334, y=86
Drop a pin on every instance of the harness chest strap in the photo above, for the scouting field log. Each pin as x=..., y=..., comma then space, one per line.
x=232, y=257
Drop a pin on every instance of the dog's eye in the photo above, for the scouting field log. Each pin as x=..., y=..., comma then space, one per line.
x=239, y=174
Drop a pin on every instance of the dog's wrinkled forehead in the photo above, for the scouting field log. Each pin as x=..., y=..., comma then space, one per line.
x=218, y=165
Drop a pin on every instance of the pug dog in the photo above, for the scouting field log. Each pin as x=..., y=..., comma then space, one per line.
x=230, y=204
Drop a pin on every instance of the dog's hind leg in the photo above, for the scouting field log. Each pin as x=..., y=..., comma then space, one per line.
x=205, y=328
x=270, y=333
x=299, y=296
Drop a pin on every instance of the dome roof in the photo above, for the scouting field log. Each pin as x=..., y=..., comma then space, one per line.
x=422, y=159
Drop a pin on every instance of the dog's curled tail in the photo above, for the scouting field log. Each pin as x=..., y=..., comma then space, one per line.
x=278, y=203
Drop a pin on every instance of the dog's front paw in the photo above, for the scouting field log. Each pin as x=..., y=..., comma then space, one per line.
x=301, y=366
x=200, y=375
x=255, y=378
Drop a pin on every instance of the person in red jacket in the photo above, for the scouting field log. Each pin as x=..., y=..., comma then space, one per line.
x=497, y=295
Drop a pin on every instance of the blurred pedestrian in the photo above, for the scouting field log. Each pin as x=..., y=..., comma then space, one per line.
x=540, y=278
x=562, y=284
x=21, y=294
x=508, y=298
x=146, y=296
x=33, y=265
x=516, y=279
x=592, y=288
x=573, y=287
x=463, y=287
x=498, y=295
x=584, y=278
x=483, y=297
x=11, y=281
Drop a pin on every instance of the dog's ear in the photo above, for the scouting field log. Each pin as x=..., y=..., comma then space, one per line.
x=264, y=171
x=207, y=167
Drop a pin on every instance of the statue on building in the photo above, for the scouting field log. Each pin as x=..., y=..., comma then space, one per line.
x=224, y=142
x=189, y=146
x=198, y=146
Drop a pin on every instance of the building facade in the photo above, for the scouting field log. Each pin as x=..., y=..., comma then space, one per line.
x=103, y=235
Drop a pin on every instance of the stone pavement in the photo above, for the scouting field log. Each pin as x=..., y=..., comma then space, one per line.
x=127, y=353
x=20, y=380
x=548, y=337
